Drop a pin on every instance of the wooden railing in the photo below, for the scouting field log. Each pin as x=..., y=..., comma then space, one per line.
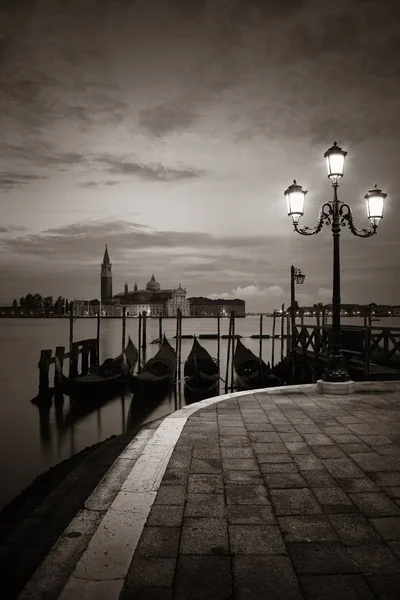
x=371, y=345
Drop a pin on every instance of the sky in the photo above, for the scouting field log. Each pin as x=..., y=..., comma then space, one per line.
x=170, y=129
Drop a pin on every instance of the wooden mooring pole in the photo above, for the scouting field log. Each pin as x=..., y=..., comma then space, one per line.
x=123, y=328
x=139, y=370
x=233, y=347
x=273, y=339
x=58, y=369
x=144, y=337
x=71, y=329
x=218, y=341
x=228, y=355
x=98, y=339
x=261, y=334
x=160, y=332
x=282, y=330
x=180, y=342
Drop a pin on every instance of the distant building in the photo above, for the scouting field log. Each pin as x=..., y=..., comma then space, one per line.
x=206, y=307
x=153, y=300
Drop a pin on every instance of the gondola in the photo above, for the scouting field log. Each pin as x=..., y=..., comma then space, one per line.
x=158, y=373
x=104, y=379
x=251, y=371
x=201, y=371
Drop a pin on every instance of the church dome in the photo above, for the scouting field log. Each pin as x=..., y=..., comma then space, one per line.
x=153, y=285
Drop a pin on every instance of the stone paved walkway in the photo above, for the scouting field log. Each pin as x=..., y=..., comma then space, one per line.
x=285, y=495
x=278, y=497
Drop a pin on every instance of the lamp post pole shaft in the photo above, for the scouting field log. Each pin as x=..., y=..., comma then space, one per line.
x=292, y=311
x=336, y=274
x=336, y=370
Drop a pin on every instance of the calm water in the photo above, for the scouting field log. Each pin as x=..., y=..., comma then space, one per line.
x=31, y=442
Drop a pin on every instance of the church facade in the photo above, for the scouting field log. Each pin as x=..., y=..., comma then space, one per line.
x=154, y=300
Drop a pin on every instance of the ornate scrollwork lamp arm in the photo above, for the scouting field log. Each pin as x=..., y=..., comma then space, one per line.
x=325, y=216
x=346, y=218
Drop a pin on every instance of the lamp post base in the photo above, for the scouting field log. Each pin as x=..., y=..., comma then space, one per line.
x=335, y=371
x=336, y=387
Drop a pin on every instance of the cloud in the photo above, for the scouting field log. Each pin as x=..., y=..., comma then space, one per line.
x=152, y=172
x=11, y=228
x=167, y=118
x=13, y=179
x=98, y=184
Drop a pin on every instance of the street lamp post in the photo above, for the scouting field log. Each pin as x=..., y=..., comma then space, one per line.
x=296, y=276
x=337, y=214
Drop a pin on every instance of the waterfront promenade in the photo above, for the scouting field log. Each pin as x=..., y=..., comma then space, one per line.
x=277, y=494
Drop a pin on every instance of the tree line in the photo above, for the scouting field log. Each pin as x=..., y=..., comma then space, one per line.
x=42, y=305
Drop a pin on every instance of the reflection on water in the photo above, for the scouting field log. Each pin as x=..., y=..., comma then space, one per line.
x=32, y=439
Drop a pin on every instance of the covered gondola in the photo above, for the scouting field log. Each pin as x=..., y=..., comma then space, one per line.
x=158, y=373
x=201, y=372
x=102, y=380
x=251, y=371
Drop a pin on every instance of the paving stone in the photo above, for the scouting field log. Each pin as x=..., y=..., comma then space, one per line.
x=317, y=439
x=256, y=539
x=205, y=484
x=307, y=428
x=342, y=467
x=308, y=463
x=274, y=458
x=285, y=429
x=334, y=500
x=374, y=559
x=362, y=484
x=328, y=452
x=392, y=492
x=278, y=468
x=205, y=505
x=321, y=558
x=387, y=527
x=234, y=440
x=243, y=477
x=165, y=516
x=332, y=587
x=296, y=448
x=266, y=426
x=146, y=594
x=200, y=577
x=206, y=465
x=353, y=529
x=372, y=461
x=319, y=479
x=240, y=464
x=355, y=448
x=175, y=477
x=171, y=494
x=395, y=548
x=180, y=460
x=345, y=438
x=386, y=478
x=294, y=502
x=247, y=514
x=204, y=536
x=264, y=437
x=307, y=528
x=386, y=587
x=150, y=572
x=375, y=440
x=291, y=437
x=210, y=452
x=335, y=430
x=265, y=577
x=374, y=504
x=230, y=452
x=285, y=480
x=246, y=494
x=233, y=431
x=262, y=449
x=159, y=542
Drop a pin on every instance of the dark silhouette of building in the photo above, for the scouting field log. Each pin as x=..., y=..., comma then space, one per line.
x=206, y=307
x=106, y=277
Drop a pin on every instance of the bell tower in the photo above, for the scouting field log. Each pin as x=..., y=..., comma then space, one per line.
x=106, y=277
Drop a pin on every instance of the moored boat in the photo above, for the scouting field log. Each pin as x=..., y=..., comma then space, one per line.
x=102, y=380
x=251, y=371
x=200, y=371
x=158, y=373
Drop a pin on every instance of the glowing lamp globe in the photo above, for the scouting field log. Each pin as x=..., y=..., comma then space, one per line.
x=295, y=196
x=375, y=199
x=300, y=277
x=335, y=161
